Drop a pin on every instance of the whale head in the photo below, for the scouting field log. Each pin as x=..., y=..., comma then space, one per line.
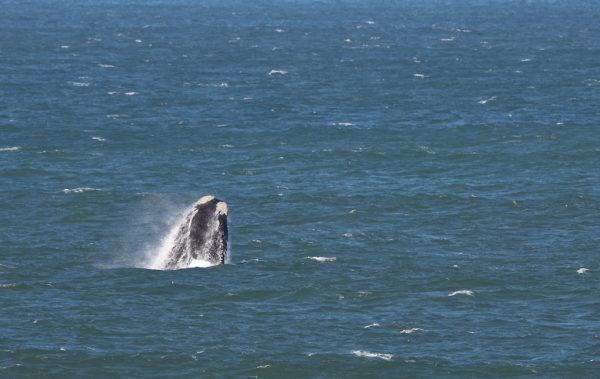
x=208, y=230
x=201, y=237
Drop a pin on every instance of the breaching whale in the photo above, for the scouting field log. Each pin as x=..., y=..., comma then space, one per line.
x=201, y=236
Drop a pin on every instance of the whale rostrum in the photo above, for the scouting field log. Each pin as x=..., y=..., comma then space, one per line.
x=201, y=236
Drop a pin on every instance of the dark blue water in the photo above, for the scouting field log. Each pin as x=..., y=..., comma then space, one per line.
x=413, y=187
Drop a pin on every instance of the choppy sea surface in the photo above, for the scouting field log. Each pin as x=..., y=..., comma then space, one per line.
x=413, y=187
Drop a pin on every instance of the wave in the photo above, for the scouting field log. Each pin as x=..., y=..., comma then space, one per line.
x=12, y=148
x=79, y=190
x=367, y=354
x=322, y=259
x=277, y=72
x=411, y=330
x=462, y=292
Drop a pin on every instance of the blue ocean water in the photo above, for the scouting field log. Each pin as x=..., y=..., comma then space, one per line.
x=413, y=187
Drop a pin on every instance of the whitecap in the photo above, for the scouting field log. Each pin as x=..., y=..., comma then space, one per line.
x=487, y=100
x=138, y=41
x=279, y=30
x=526, y=60
x=79, y=84
x=360, y=353
x=582, y=270
x=419, y=76
x=220, y=84
x=8, y=285
x=12, y=148
x=79, y=190
x=105, y=65
x=277, y=72
x=112, y=93
x=591, y=82
x=65, y=46
x=322, y=259
x=369, y=22
x=251, y=260
x=263, y=366
x=99, y=139
x=131, y=93
x=462, y=292
x=448, y=39
x=411, y=330
x=370, y=325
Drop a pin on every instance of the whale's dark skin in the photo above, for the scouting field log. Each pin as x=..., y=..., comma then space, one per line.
x=202, y=236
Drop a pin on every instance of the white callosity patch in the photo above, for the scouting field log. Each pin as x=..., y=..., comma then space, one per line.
x=222, y=208
x=204, y=199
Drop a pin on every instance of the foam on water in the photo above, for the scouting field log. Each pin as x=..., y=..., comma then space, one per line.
x=322, y=259
x=485, y=101
x=79, y=84
x=370, y=325
x=79, y=190
x=13, y=148
x=462, y=292
x=367, y=354
x=277, y=72
x=411, y=330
